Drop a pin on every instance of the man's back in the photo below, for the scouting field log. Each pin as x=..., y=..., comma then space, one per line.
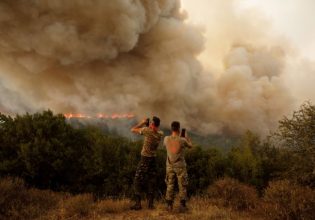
x=175, y=146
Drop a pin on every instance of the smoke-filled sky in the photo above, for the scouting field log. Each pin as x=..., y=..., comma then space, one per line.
x=215, y=65
x=291, y=18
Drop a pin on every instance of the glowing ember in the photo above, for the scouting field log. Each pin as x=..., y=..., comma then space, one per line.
x=101, y=116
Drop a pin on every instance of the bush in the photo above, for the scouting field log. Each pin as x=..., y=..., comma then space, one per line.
x=17, y=202
x=286, y=200
x=231, y=193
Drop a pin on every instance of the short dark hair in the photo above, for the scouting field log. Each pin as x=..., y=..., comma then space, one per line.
x=156, y=121
x=175, y=126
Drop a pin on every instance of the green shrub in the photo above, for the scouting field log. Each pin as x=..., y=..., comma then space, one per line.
x=231, y=193
x=286, y=200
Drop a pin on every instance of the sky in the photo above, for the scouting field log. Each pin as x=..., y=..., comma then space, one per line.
x=292, y=18
x=288, y=25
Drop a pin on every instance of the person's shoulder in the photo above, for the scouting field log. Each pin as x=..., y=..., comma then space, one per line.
x=160, y=132
x=144, y=130
x=167, y=137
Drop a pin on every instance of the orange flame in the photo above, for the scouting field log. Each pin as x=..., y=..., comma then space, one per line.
x=76, y=115
x=100, y=116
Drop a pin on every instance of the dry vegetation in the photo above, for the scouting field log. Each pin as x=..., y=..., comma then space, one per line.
x=225, y=199
x=229, y=192
x=286, y=200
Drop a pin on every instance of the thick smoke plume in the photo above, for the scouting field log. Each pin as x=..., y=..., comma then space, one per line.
x=139, y=56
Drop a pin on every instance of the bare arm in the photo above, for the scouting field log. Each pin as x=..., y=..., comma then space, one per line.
x=137, y=128
x=188, y=141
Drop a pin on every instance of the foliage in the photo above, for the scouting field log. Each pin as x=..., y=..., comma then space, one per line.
x=244, y=164
x=297, y=134
x=255, y=162
x=48, y=153
x=203, y=167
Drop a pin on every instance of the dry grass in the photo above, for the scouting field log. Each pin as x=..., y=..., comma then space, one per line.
x=112, y=206
x=198, y=209
x=76, y=207
x=18, y=202
x=202, y=208
x=286, y=200
x=226, y=199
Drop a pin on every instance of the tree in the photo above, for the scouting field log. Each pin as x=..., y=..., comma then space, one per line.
x=297, y=134
x=244, y=161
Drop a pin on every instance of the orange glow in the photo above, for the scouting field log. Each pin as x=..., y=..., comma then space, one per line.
x=129, y=115
x=76, y=115
x=101, y=116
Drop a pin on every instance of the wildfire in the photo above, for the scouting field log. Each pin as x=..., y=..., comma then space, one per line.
x=76, y=115
x=101, y=116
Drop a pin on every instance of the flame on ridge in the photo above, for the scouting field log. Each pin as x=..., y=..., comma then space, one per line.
x=100, y=116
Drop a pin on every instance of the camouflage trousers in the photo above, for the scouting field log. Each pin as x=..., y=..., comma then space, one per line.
x=145, y=177
x=173, y=173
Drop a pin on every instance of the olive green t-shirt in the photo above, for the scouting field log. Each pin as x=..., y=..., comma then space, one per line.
x=151, y=141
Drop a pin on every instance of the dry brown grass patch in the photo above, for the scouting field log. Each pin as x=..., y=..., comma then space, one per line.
x=112, y=206
x=18, y=202
x=79, y=206
x=231, y=193
x=286, y=200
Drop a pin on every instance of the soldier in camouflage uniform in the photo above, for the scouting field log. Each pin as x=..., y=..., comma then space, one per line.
x=146, y=171
x=176, y=166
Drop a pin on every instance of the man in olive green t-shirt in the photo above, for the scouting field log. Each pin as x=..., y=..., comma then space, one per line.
x=146, y=169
